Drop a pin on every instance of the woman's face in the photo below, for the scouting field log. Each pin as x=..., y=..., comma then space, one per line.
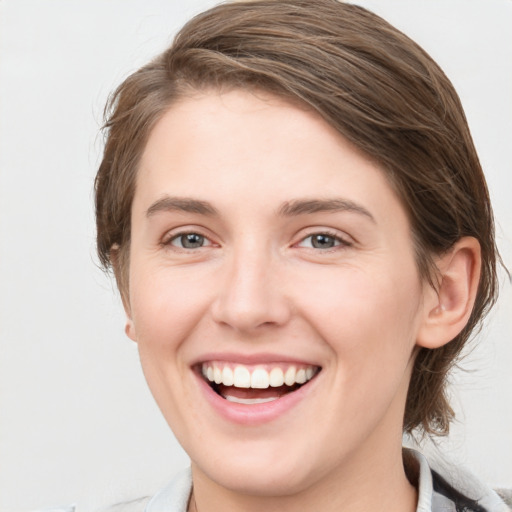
x=270, y=255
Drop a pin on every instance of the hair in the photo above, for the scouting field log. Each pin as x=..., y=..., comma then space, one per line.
x=369, y=81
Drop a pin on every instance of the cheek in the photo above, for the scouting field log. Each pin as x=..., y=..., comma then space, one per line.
x=166, y=306
x=369, y=324
x=366, y=318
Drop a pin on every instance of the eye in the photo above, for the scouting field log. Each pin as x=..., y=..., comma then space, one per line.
x=322, y=241
x=189, y=241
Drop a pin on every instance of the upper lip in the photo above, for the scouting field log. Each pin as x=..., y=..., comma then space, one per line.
x=252, y=359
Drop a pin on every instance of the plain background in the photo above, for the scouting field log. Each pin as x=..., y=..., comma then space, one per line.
x=77, y=424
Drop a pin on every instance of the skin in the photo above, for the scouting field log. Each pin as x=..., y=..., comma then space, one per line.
x=258, y=286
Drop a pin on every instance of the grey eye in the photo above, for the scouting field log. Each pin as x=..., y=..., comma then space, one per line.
x=189, y=241
x=322, y=241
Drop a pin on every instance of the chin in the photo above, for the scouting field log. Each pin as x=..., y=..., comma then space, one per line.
x=259, y=478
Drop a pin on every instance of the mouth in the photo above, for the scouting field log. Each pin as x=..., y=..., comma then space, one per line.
x=256, y=384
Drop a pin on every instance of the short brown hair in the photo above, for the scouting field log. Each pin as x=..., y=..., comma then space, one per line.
x=370, y=82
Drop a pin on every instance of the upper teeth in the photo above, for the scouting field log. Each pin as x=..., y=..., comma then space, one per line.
x=242, y=376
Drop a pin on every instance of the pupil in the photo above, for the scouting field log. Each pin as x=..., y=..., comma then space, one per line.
x=323, y=242
x=192, y=240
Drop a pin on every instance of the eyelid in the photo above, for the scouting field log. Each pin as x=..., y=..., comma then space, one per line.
x=343, y=239
x=207, y=241
x=175, y=233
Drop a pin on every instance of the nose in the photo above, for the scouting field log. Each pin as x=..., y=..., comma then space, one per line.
x=250, y=295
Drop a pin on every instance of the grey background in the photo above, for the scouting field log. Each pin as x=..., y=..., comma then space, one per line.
x=77, y=424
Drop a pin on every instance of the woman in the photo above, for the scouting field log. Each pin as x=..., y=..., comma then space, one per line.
x=302, y=237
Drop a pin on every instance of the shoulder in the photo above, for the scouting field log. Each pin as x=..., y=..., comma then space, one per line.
x=173, y=498
x=497, y=500
x=137, y=505
x=505, y=495
x=447, y=487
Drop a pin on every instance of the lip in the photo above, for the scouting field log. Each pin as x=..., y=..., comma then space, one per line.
x=252, y=359
x=254, y=414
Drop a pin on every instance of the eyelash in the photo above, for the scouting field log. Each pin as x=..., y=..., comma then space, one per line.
x=168, y=241
x=339, y=242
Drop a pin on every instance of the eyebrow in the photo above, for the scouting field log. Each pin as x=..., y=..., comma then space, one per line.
x=181, y=204
x=308, y=206
x=288, y=209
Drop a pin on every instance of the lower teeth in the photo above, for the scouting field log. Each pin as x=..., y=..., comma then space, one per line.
x=249, y=401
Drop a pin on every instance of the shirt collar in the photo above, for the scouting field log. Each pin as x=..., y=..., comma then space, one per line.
x=419, y=473
x=175, y=496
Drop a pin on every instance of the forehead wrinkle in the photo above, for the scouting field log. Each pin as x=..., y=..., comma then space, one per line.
x=181, y=204
x=309, y=206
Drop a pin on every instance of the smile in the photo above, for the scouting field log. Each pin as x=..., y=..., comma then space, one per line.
x=258, y=384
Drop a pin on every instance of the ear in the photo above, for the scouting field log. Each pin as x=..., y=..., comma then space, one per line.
x=122, y=285
x=448, y=307
x=129, y=329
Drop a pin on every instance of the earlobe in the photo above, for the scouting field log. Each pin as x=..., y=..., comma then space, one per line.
x=129, y=329
x=447, y=309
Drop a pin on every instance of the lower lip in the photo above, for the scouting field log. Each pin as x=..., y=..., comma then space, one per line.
x=255, y=414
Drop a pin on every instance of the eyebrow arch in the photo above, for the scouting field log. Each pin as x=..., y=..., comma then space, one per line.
x=182, y=204
x=308, y=206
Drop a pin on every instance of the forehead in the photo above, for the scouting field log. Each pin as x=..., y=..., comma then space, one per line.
x=241, y=147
